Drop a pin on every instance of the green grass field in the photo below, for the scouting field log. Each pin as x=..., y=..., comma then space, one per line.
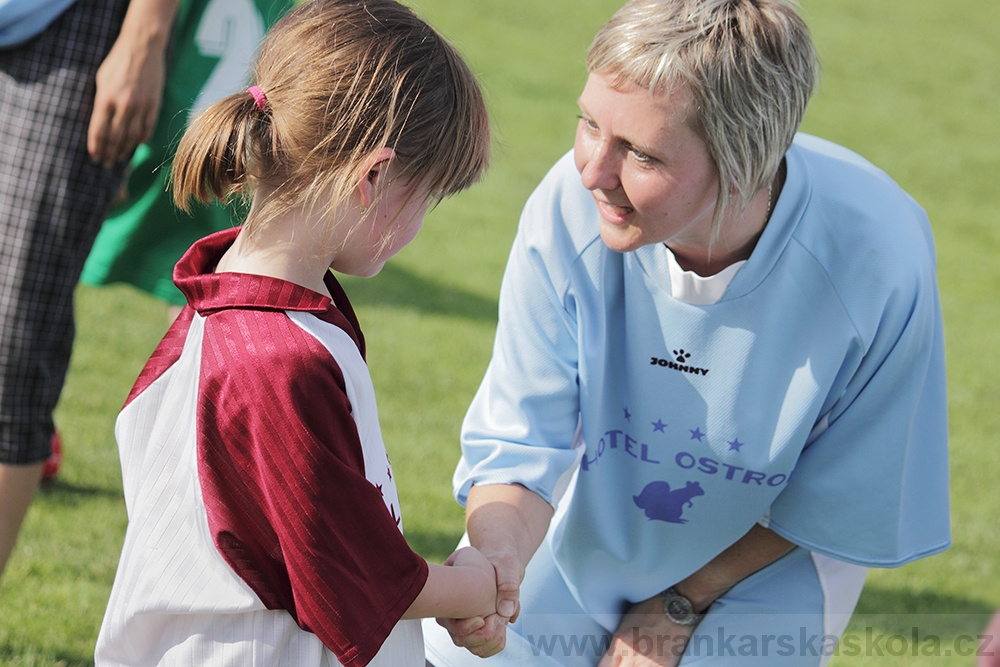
x=913, y=85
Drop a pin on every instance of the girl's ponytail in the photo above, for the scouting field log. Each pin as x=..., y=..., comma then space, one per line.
x=335, y=82
x=215, y=155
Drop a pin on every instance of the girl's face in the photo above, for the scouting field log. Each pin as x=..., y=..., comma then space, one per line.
x=647, y=169
x=384, y=230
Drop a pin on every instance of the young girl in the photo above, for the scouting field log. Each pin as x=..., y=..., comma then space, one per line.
x=264, y=522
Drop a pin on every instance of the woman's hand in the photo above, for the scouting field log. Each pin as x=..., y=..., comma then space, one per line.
x=646, y=638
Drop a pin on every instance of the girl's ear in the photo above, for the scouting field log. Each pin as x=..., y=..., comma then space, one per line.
x=374, y=172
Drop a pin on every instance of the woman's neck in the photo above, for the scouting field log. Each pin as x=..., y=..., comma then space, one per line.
x=738, y=236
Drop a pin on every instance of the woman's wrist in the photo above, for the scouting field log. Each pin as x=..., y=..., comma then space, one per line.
x=506, y=523
x=701, y=597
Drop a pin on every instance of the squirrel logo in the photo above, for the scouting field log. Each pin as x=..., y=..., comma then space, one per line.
x=660, y=503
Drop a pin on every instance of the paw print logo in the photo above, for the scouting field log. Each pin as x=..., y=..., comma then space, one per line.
x=681, y=356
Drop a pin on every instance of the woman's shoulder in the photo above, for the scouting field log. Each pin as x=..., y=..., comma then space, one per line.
x=852, y=211
x=863, y=235
x=839, y=179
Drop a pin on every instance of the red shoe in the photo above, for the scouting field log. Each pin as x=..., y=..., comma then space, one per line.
x=51, y=466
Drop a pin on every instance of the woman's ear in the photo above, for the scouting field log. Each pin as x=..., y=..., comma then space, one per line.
x=373, y=174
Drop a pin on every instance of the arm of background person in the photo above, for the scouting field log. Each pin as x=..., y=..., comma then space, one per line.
x=754, y=551
x=988, y=654
x=506, y=522
x=130, y=81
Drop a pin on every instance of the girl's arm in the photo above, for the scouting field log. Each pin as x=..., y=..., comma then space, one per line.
x=464, y=587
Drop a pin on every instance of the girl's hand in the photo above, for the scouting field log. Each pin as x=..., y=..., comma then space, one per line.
x=487, y=635
x=471, y=558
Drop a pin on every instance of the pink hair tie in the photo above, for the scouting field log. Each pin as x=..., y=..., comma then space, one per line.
x=258, y=97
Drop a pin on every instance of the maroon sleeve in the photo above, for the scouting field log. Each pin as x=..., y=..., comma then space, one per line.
x=282, y=476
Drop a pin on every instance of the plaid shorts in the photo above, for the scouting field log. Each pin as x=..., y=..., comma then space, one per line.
x=53, y=199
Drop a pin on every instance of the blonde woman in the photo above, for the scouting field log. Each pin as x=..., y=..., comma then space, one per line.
x=717, y=393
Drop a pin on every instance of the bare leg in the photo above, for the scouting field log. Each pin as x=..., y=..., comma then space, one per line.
x=17, y=489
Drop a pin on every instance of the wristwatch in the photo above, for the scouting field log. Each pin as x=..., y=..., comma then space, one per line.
x=678, y=608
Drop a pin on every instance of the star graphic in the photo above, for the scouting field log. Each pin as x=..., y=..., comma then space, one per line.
x=379, y=487
x=658, y=425
x=696, y=434
x=734, y=445
x=388, y=471
x=628, y=415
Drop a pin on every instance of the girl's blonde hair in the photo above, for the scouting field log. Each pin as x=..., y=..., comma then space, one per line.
x=750, y=66
x=342, y=80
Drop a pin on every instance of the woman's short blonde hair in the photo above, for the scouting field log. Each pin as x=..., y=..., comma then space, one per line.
x=342, y=80
x=750, y=67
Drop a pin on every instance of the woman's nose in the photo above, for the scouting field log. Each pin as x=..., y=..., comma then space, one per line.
x=600, y=169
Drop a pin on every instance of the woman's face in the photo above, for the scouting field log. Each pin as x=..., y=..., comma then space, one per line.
x=649, y=172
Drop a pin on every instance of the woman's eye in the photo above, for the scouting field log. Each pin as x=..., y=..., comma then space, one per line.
x=590, y=125
x=640, y=156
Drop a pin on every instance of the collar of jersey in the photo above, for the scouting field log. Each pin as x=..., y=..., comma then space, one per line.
x=208, y=292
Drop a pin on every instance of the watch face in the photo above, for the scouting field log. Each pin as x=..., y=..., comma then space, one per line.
x=678, y=607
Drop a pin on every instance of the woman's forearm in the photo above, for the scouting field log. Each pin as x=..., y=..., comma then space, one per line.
x=507, y=521
x=754, y=551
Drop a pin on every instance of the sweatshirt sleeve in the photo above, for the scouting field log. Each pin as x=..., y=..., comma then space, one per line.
x=521, y=425
x=871, y=485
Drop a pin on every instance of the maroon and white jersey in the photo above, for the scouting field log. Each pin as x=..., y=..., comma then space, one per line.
x=264, y=521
